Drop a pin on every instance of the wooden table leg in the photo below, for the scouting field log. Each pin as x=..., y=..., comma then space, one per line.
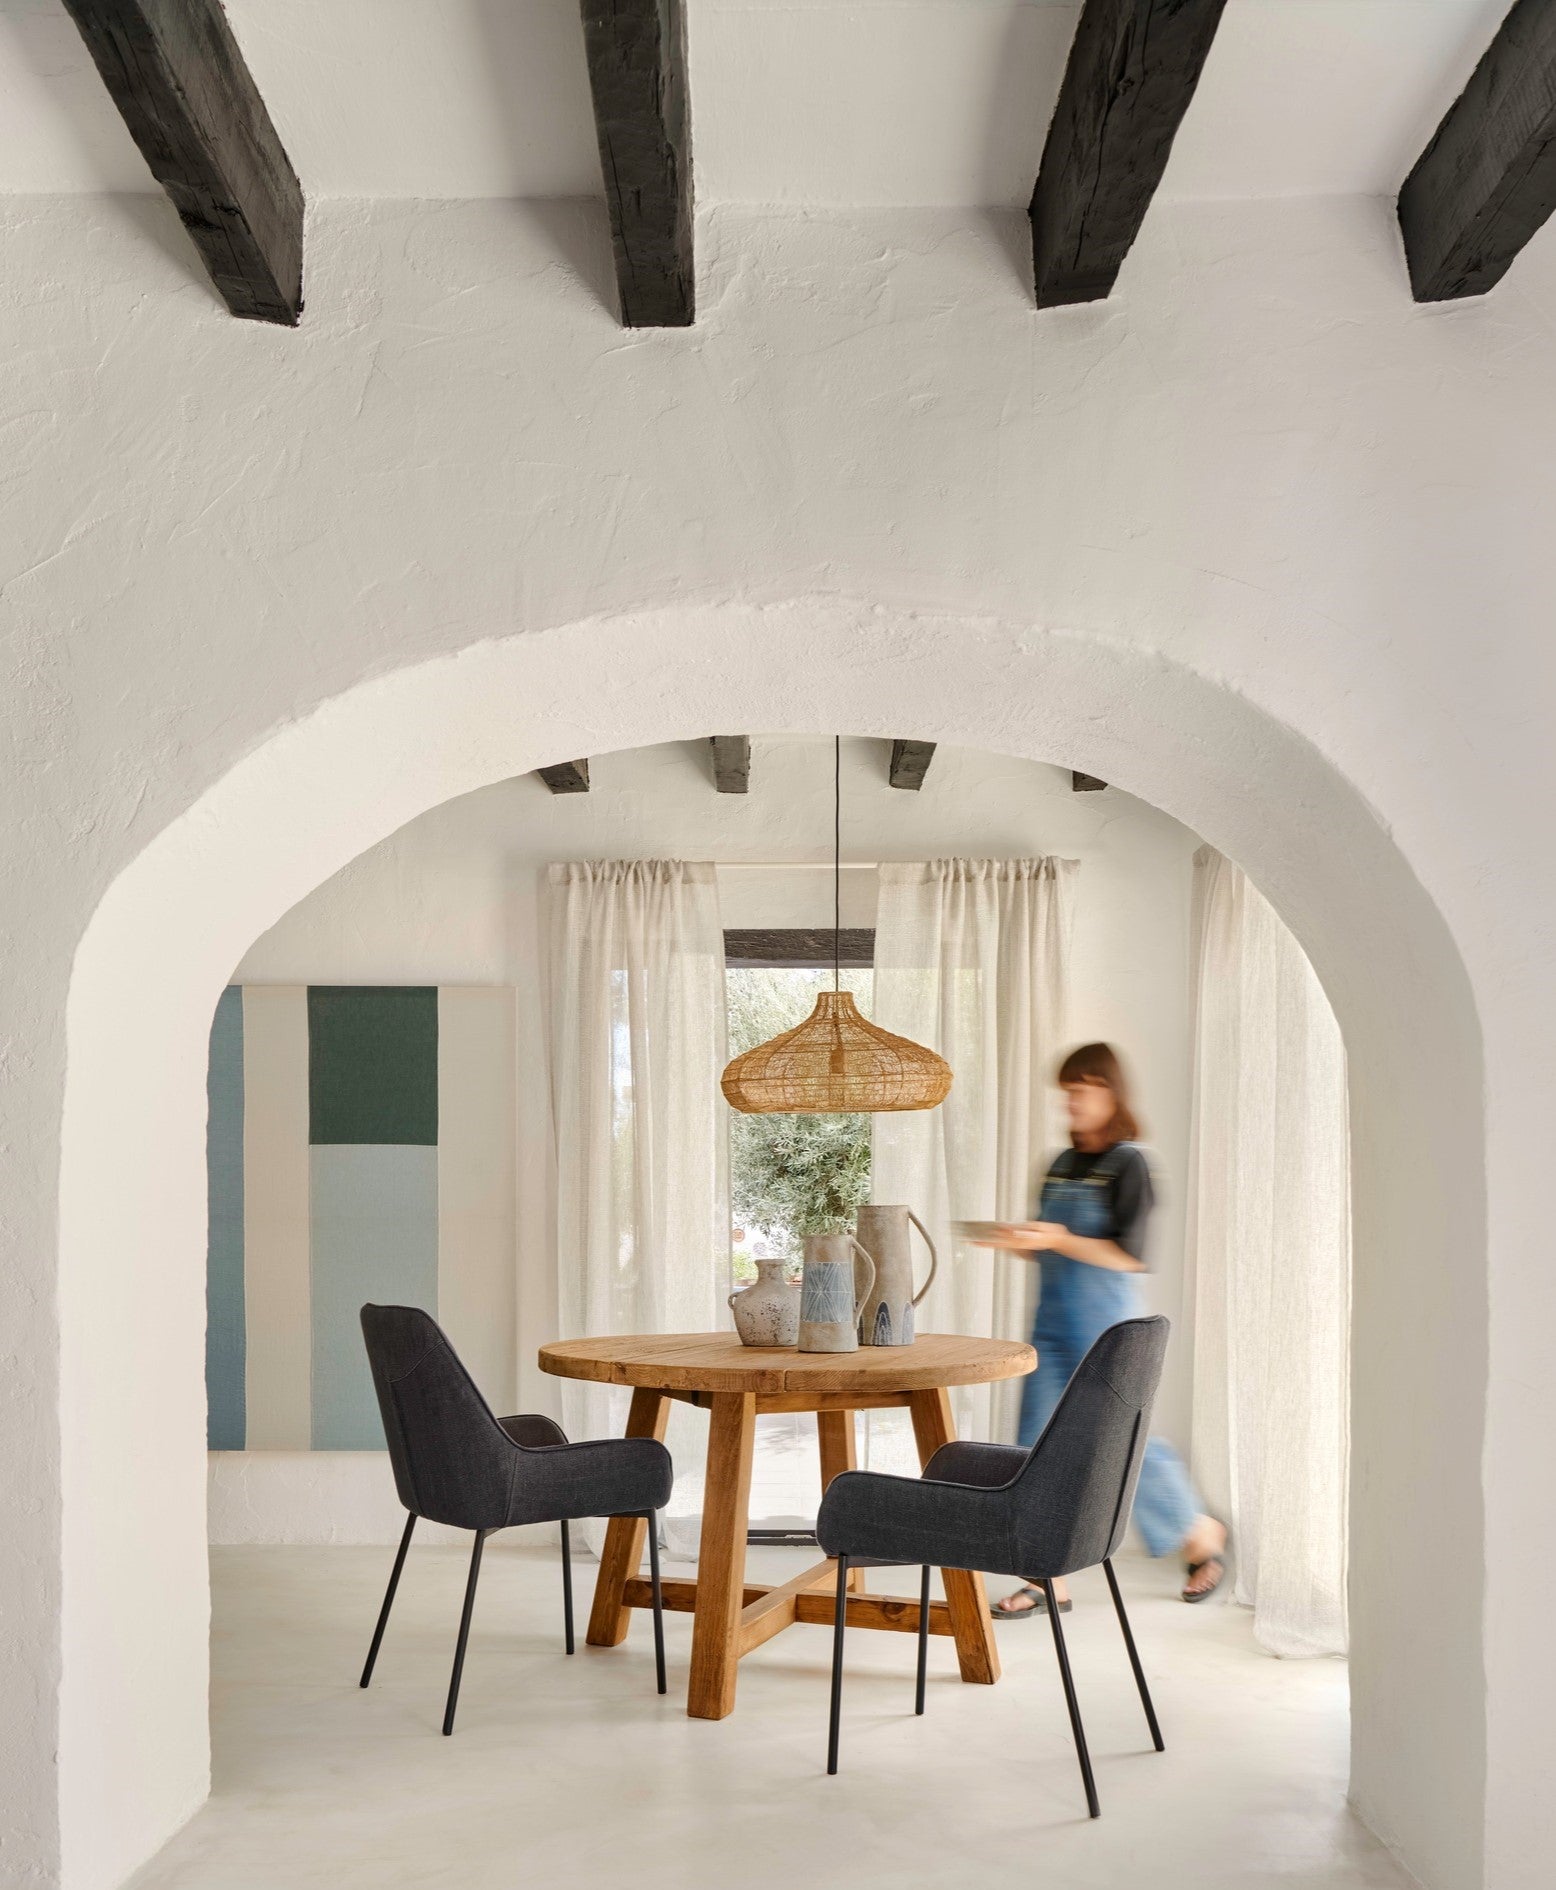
x=836, y=1434
x=721, y=1556
x=964, y=1592
x=624, y=1535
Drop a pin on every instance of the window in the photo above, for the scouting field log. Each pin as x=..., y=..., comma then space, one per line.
x=789, y=1176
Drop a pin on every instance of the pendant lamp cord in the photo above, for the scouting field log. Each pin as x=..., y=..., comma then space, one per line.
x=837, y=862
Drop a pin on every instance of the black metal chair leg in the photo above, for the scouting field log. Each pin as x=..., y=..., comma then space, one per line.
x=1134, y=1658
x=383, y=1612
x=464, y=1631
x=1070, y=1700
x=567, y=1588
x=923, y=1638
x=839, y=1622
x=659, y=1600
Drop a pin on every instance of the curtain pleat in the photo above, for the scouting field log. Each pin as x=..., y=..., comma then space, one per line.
x=1269, y=1255
x=637, y=1043
x=971, y=958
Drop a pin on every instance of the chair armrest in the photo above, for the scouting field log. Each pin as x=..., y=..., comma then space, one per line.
x=532, y=1431
x=608, y=1476
x=985, y=1466
x=912, y=1519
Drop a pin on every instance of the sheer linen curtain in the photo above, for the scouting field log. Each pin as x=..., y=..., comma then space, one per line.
x=971, y=958
x=637, y=1044
x=1269, y=1249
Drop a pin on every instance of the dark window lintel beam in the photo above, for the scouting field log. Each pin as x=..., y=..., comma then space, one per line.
x=809, y=946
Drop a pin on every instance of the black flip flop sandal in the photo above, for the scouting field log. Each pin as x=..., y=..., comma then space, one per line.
x=1222, y=1561
x=1039, y=1605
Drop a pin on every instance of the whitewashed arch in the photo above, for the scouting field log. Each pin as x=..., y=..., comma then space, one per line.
x=134, y=1742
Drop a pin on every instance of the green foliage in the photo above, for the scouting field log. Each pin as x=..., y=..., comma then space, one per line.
x=792, y=1175
x=798, y=1175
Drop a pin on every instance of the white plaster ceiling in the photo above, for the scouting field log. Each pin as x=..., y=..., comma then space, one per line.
x=828, y=102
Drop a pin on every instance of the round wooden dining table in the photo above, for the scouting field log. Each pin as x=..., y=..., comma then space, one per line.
x=735, y=1384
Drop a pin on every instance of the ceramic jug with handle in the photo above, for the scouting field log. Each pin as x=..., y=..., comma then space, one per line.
x=829, y=1301
x=886, y=1307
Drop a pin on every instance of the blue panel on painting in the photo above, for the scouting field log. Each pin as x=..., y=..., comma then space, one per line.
x=374, y=1214
x=225, y=1339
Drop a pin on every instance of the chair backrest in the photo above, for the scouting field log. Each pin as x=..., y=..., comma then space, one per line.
x=1072, y=1497
x=453, y=1462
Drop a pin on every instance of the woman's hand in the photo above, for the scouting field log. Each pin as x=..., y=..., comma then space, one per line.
x=1006, y=1236
x=1026, y=1237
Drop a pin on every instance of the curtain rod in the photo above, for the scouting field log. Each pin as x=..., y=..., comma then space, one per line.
x=769, y=866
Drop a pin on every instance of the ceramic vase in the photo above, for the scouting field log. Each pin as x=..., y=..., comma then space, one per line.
x=886, y=1307
x=830, y=1302
x=767, y=1313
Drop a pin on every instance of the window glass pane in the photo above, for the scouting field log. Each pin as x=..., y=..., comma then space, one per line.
x=789, y=1176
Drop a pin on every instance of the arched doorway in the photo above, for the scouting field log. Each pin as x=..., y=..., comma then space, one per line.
x=134, y=1748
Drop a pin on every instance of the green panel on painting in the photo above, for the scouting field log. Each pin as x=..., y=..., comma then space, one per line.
x=374, y=1220
x=373, y=1064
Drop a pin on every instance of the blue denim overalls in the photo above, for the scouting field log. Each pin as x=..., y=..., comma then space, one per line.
x=1076, y=1305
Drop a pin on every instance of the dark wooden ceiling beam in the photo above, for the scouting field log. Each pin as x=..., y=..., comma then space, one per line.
x=175, y=72
x=567, y=777
x=637, y=75
x=1487, y=180
x=910, y=763
x=1132, y=70
x=731, y=763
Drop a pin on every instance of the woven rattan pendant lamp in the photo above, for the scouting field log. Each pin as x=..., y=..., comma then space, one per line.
x=837, y=1062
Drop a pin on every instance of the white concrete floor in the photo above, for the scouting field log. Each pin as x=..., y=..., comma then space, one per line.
x=575, y=1772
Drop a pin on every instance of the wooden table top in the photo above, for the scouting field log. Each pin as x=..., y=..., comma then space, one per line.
x=717, y=1361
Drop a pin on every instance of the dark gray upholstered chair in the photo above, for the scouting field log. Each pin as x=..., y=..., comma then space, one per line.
x=456, y=1463
x=1036, y=1514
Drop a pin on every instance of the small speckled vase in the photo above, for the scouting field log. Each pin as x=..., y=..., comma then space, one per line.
x=767, y=1313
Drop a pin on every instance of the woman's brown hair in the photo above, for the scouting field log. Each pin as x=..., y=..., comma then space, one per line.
x=1098, y=1063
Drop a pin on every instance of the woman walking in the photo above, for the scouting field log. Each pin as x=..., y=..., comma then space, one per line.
x=1090, y=1242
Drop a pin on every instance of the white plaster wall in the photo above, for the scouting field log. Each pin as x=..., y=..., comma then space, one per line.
x=1258, y=539
x=454, y=897
x=290, y=815
x=319, y=1496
